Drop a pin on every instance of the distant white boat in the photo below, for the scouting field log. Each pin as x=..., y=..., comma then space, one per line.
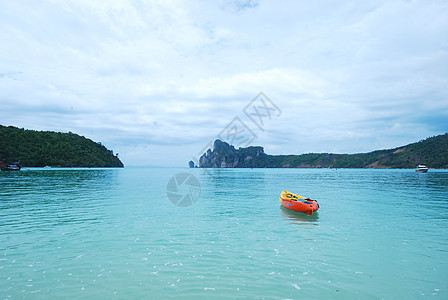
x=421, y=168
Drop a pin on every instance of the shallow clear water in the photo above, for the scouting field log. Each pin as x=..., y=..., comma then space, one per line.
x=113, y=233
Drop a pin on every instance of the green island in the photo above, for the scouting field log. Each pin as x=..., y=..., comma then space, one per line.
x=55, y=149
x=433, y=152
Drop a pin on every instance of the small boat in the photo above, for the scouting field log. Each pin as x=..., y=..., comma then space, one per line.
x=422, y=169
x=298, y=203
x=13, y=167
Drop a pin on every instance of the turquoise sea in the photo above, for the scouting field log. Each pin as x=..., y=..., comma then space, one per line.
x=114, y=234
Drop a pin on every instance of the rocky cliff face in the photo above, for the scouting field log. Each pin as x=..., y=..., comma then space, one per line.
x=224, y=155
x=432, y=152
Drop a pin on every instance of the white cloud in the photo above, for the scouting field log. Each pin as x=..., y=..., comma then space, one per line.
x=286, y=80
x=148, y=75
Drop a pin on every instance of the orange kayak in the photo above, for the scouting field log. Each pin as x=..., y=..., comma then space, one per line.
x=298, y=203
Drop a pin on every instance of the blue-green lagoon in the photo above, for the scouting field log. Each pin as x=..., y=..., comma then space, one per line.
x=114, y=234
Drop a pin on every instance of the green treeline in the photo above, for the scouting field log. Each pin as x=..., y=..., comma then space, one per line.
x=433, y=152
x=46, y=148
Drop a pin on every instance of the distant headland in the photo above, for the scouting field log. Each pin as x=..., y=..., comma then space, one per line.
x=55, y=149
x=432, y=151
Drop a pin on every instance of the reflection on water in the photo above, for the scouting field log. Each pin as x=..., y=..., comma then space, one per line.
x=89, y=234
x=299, y=218
x=54, y=180
x=37, y=200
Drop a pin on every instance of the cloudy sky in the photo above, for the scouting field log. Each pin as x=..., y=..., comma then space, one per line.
x=156, y=81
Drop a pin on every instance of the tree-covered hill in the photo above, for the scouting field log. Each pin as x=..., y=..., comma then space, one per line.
x=432, y=151
x=46, y=148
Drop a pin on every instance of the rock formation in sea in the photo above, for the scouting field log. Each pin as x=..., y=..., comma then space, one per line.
x=431, y=152
x=224, y=155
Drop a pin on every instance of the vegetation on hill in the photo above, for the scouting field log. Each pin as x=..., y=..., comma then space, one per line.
x=432, y=151
x=46, y=148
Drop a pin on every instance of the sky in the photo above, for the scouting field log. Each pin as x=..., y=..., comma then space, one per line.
x=158, y=81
